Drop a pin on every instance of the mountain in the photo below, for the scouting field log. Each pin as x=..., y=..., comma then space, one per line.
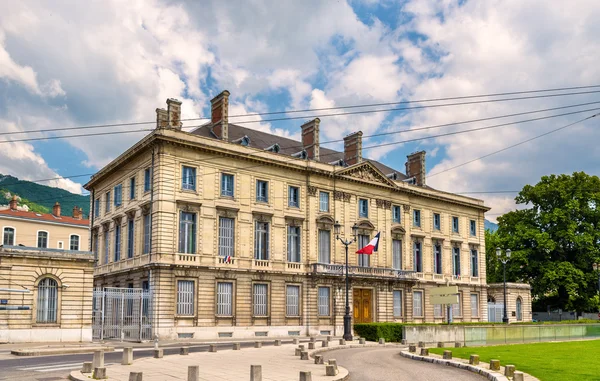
x=41, y=198
x=490, y=226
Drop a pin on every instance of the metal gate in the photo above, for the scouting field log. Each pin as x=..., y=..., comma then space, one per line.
x=122, y=313
x=495, y=312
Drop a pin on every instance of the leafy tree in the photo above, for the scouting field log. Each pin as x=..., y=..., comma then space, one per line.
x=554, y=242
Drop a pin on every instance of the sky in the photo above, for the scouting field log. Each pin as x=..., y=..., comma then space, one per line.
x=71, y=63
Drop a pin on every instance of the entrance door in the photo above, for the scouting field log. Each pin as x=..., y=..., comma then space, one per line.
x=363, y=302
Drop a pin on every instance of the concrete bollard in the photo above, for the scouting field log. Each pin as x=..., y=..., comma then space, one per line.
x=509, y=370
x=447, y=355
x=305, y=376
x=257, y=344
x=313, y=339
x=332, y=362
x=330, y=370
x=98, y=359
x=212, y=348
x=127, y=356
x=424, y=352
x=518, y=376
x=412, y=348
x=474, y=360
x=193, y=373
x=318, y=359
x=421, y=344
x=381, y=340
x=87, y=367
x=324, y=343
x=440, y=344
x=236, y=346
x=136, y=376
x=277, y=343
x=302, y=347
x=304, y=355
x=329, y=338
x=495, y=365
x=158, y=353
x=298, y=352
x=255, y=372
x=311, y=345
x=100, y=373
x=457, y=345
x=361, y=340
x=342, y=342
x=296, y=341
x=184, y=351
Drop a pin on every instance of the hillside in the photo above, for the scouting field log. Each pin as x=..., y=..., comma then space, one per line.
x=41, y=198
x=490, y=226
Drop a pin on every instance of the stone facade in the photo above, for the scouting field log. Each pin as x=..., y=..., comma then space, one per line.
x=199, y=199
x=516, y=293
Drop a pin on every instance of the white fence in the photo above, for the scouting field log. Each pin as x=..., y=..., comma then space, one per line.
x=495, y=312
x=122, y=313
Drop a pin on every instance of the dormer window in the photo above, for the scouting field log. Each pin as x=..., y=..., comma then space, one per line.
x=244, y=140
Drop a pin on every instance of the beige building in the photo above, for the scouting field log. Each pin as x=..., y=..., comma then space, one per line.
x=518, y=300
x=233, y=231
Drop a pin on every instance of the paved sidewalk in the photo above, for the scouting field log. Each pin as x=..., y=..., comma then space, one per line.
x=278, y=364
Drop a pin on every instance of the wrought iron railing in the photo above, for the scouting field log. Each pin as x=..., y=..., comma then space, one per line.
x=375, y=272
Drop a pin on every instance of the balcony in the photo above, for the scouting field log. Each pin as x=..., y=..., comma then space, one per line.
x=366, y=272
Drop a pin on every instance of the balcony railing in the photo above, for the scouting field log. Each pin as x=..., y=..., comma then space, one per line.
x=374, y=272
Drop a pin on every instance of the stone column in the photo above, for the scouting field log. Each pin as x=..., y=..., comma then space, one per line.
x=127, y=356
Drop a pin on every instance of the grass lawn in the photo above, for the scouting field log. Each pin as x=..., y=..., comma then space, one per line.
x=573, y=360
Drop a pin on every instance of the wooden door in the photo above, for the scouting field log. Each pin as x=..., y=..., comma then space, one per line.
x=363, y=302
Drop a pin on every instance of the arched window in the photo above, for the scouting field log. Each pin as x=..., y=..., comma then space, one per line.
x=8, y=236
x=519, y=309
x=42, y=239
x=47, y=301
x=74, y=242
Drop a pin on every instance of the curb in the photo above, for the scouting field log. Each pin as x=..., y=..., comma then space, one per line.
x=58, y=351
x=490, y=375
x=76, y=375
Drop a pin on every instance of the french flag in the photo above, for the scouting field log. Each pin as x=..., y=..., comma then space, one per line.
x=371, y=246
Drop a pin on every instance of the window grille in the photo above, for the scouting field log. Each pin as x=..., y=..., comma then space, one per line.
x=397, y=303
x=437, y=310
x=324, y=301
x=475, y=305
x=225, y=298
x=418, y=303
x=292, y=301
x=47, y=301
x=185, y=297
x=226, y=236
x=260, y=299
x=456, y=308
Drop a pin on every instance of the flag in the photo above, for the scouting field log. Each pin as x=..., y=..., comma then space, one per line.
x=371, y=246
x=227, y=259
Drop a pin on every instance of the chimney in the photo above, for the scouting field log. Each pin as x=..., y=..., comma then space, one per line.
x=77, y=213
x=415, y=167
x=310, y=138
x=174, y=113
x=56, y=209
x=162, y=118
x=13, y=203
x=219, y=115
x=353, y=148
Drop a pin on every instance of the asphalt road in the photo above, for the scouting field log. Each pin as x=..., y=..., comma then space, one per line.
x=385, y=364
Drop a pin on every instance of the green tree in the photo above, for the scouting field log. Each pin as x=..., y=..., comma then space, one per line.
x=554, y=242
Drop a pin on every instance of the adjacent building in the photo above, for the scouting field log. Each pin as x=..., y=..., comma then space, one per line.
x=232, y=231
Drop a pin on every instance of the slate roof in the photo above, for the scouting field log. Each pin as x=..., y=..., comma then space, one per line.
x=47, y=217
x=262, y=140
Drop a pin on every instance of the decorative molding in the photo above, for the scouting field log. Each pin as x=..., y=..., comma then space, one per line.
x=366, y=171
x=262, y=217
x=294, y=221
x=339, y=195
x=131, y=213
x=406, y=207
x=145, y=208
x=312, y=190
x=385, y=204
x=365, y=224
x=325, y=219
x=398, y=229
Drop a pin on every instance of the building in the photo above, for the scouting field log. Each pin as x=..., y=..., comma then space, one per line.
x=518, y=300
x=46, y=279
x=232, y=230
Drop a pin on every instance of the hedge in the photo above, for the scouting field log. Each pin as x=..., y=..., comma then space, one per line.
x=391, y=332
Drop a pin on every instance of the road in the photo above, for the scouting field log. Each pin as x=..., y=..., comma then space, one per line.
x=385, y=364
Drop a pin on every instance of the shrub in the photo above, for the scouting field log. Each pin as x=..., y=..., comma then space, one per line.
x=391, y=332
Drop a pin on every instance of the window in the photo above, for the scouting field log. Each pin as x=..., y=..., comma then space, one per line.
x=292, y=300
x=397, y=254
x=437, y=221
x=261, y=241
x=185, y=297
x=188, y=178
x=294, y=197
x=147, y=233
x=454, y=224
x=323, y=201
x=473, y=228
x=363, y=259
x=97, y=207
x=323, y=301
x=132, y=188
x=519, y=309
x=107, y=201
x=474, y=305
x=456, y=261
x=147, y=180
x=324, y=246
x=417, y=218
x=293, y=244
x=42, y=239
x=418, y=303
x=225, y=298
x=262, y=191
x=95, y=240
x=437, y=310
x=226, y=236
x=396, y=215
x=456, y=308
x=47, y=301
x=60, y=244
x=417, y=257
x=437, y=259
x=187, y=233
x=260, y=299
x=106, y=245
x=226, y=185
x=118, y=195
x=117, y=243
x=474, y=263
x=397, y=303
x=130, y=237
x=363, y=208
x=8, y=236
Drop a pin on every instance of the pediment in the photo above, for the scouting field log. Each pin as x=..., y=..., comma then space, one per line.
x=367, y=172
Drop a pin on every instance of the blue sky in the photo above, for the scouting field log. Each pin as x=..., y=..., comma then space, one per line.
x=66, y=64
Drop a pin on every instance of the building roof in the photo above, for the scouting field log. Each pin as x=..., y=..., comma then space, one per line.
x=263, y=140
x=43, y=217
